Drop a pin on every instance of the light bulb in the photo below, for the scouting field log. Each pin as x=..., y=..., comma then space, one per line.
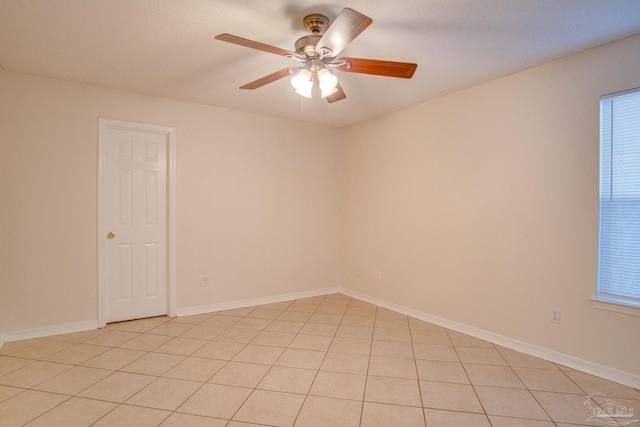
x=327, y=82
x=302, y=83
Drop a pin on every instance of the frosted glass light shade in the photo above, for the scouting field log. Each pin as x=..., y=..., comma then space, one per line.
x=302, y=83
x=327, y=82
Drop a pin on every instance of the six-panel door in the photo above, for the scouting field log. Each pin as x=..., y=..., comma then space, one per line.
x=135, y=212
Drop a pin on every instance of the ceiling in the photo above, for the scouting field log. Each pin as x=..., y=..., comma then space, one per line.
x=167, y=47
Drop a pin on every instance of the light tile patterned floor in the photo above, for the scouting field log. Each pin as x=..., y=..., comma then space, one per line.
x=316, y=362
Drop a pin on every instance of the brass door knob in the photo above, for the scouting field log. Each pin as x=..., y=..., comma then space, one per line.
x=111, y=235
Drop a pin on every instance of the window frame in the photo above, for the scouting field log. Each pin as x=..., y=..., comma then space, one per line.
x=609, y=301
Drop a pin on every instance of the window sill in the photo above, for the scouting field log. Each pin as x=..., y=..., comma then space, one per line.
x=615, y=306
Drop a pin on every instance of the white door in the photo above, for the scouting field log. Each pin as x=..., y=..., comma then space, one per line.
x=134, y=255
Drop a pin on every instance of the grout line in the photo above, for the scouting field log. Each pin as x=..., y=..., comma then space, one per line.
x=324, y=301
x=415, y=364
x=321, y=363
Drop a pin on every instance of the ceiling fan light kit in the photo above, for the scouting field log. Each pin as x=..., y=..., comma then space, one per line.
x=318, y=52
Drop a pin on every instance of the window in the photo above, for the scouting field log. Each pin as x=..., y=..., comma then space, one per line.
x=619, y=247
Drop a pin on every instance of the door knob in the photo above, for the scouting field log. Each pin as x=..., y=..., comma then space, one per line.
x=111, y=235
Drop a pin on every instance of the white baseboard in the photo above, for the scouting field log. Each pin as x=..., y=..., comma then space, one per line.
x=190, y=311
x=601, y=371
x=48, y=331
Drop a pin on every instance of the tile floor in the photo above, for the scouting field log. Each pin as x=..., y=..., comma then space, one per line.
x=321, y=361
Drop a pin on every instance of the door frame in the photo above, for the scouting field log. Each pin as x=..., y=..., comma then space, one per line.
x=103, y=126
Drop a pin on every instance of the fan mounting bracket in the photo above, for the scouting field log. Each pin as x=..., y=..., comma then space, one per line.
x=341, y=64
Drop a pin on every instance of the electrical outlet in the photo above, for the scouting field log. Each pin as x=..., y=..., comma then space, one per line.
x=378, y=276
x=205, y=281
x=555, y=315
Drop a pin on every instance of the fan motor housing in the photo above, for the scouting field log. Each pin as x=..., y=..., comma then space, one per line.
x=307, y=45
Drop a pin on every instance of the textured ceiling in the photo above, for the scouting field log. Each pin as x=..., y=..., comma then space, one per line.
x=167, y=47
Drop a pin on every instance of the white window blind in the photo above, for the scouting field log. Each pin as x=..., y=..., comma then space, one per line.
x=619, y=248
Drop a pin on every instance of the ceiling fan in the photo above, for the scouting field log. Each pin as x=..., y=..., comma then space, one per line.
x=318, y=51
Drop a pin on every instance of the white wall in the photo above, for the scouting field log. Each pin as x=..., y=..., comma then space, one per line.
x=257, y=204
x=481, y=207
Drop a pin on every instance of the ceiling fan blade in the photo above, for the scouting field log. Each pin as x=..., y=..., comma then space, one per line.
x=269, y=79
x=344, y=29
x=338, y=96
x=254, y=45
x=403, y=70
